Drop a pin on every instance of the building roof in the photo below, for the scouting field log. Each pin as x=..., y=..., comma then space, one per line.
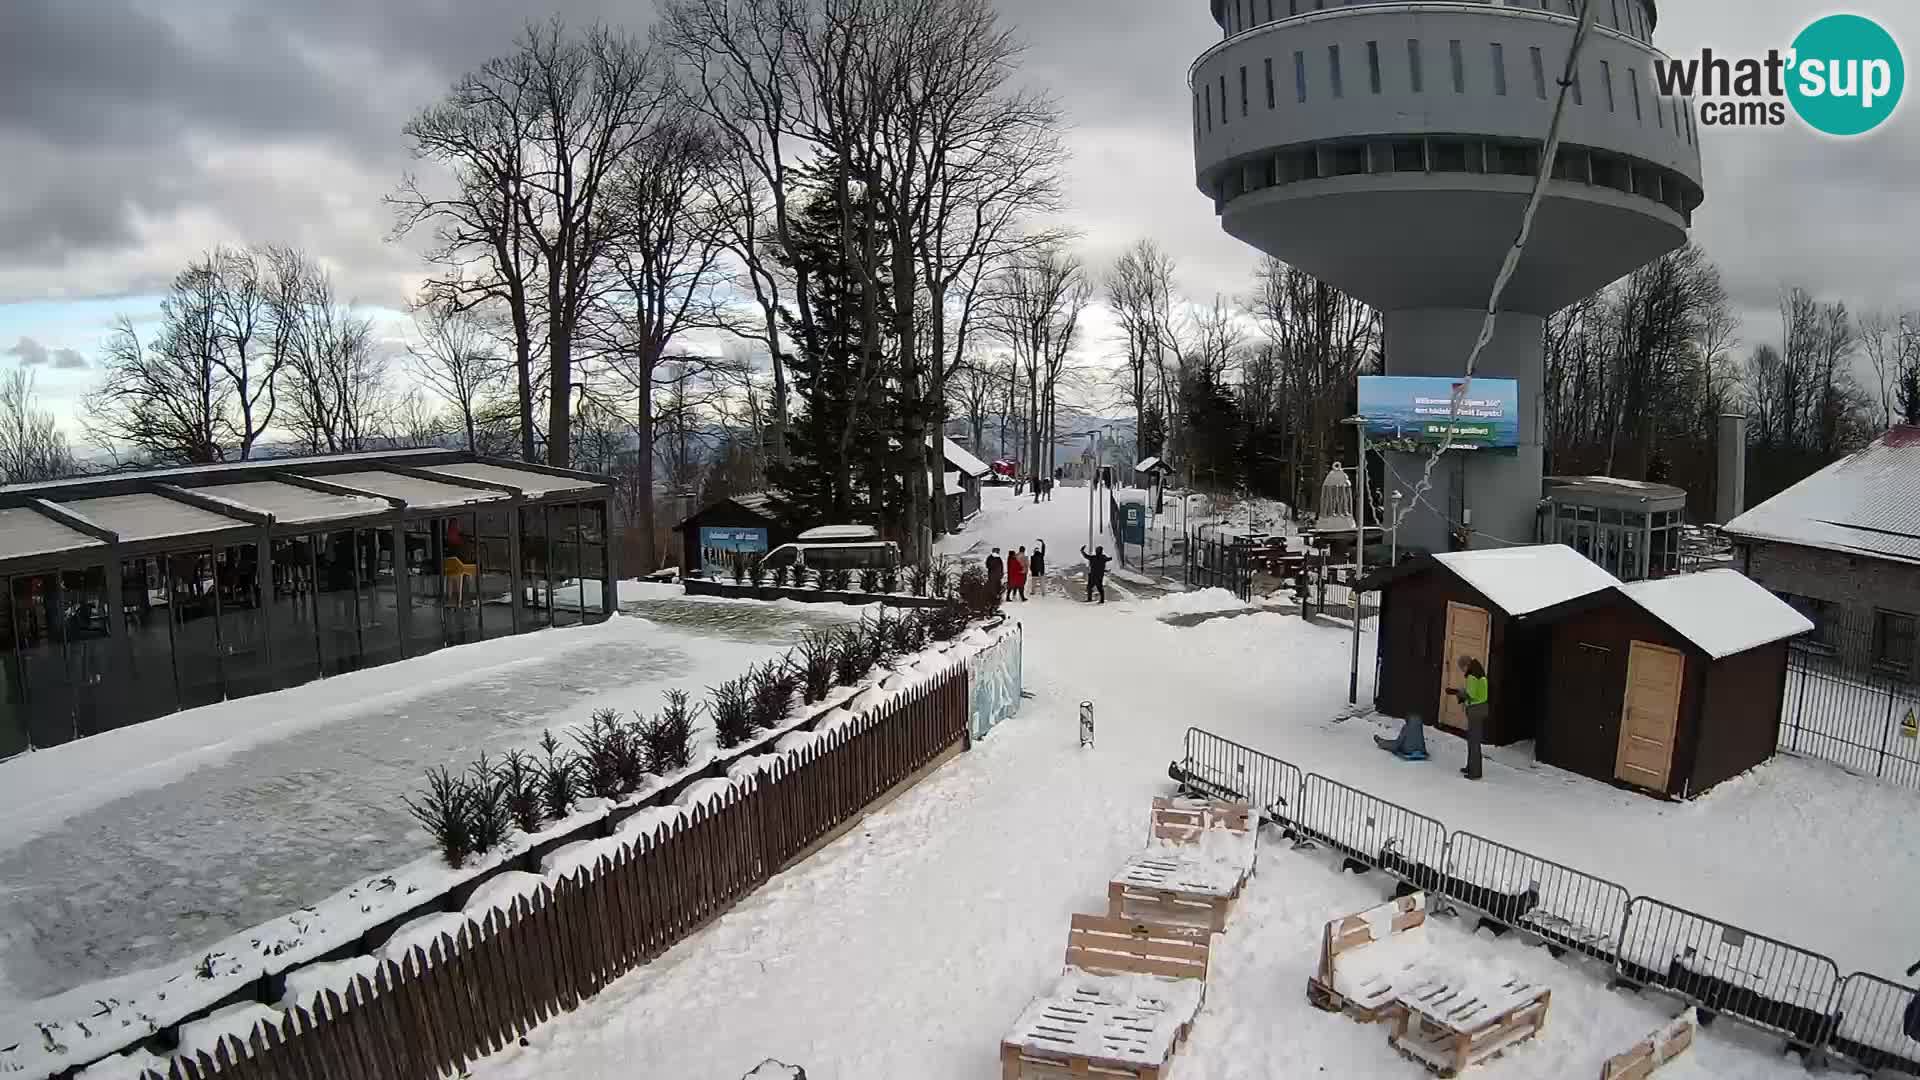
x=293, y=505
x=1613, y=489
x=1521, y=580
x=1723, y=612
x=954, y=486
x=1153, y=464
x=958, y=457
x=1867, y=503
x=531, y=483
x=53, y=488
x=418, y=494
x=150, y=517
x=26, y=532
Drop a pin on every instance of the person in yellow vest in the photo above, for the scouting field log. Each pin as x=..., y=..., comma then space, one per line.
x=1472, y=695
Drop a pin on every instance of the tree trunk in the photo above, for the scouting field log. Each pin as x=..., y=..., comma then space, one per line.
x=937, y=400
x=643, y=465
x=560, y=392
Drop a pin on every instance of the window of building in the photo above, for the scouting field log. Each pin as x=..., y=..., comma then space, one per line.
x=1243, y=89
x=1223, y=99
x=243, y=632
x=1677, y=127
x=42, y=676
x=1270, y=98
x=1513, y=159
x=1409, y=155
x=1333, y=69
x=536, y=581
x=148, y=689
x=1373, y=65
x=1579, y=98
x=1413, y=64
x=1450, y=155
x=1820, y=613
x=1539, y=74
x=1616, y=15
x=494, y=597
x=1659, y=115
x=1269, y=10
x=1499, y=69
x=193, y=599
x=1606, y=78
x=296, y=626
x=1300, y=75
x=1893, y=641
x=1240, y=14
x=1633, y=80
x=1348, y=159
x=1207, y=93
x=1459, y=67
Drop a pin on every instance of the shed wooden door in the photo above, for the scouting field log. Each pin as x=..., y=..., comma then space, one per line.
x=1650, y=715
x=1469, y=633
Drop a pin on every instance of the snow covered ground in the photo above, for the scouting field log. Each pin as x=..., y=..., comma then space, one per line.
x=907, y=947
x=148, y=844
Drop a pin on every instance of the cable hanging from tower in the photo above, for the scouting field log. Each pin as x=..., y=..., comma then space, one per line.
x=1548, y=154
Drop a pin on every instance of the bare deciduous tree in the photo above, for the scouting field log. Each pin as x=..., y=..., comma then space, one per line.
x=457, y=359
x=32, y=447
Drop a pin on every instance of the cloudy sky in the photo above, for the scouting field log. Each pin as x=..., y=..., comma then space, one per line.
x=135, y=133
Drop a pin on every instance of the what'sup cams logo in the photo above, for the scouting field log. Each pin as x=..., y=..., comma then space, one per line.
x=1843, y=76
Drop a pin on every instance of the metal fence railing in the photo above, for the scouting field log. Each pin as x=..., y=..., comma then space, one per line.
x=1852, y=716
x=1215, y=564
x=1872, y=1030
x=1721, y=968
x=1540, y=897
x=1730, y=971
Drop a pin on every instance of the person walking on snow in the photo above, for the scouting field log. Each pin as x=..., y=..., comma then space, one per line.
x=1472, y=695
x=993, y=572
x=1037, y=566
x=1017, y=574
x=1097, y=572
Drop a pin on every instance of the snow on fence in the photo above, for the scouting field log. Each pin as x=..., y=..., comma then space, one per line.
x=1872, y=1030
x=1541, y=897
x=490, y=977
x=1720, y=968
x=1725, y=969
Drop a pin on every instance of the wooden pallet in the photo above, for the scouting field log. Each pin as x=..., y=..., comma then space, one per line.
x=1169, y=904
x=1655, y=1050
x=1185, y=821
x=1447, y=1050
x=1352, y=932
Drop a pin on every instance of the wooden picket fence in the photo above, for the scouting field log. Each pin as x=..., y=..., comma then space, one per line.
x=470, y=994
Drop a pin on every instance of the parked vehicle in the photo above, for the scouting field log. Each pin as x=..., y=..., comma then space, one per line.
x=845, y=555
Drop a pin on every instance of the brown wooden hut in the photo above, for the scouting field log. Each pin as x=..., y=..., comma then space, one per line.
x=1437, y=608
x=1668, y=686
x=744, y=525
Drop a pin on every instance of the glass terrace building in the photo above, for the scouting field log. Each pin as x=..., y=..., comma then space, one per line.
x=135, y=594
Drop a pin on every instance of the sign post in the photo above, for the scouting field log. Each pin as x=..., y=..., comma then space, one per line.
x=1086, y=723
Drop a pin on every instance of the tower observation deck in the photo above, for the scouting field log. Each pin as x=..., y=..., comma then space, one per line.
x=1388, y=147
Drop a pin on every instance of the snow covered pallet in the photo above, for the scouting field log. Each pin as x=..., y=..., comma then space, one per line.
x=1198, y=857
x=1125, y=1003
x=1449, y=1025
x=1362, y=987
x=1653, y=1051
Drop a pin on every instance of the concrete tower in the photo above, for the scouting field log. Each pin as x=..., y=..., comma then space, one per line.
x=1388, y=147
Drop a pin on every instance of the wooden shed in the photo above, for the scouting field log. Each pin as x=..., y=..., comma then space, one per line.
x=745, y=524
x=1669, y=686
x=1437, y=608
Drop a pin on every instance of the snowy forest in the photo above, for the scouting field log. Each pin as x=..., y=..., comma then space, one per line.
x=777, y=244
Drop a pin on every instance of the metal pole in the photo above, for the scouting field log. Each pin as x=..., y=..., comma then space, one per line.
x=1393, y=553
x=1359, y=553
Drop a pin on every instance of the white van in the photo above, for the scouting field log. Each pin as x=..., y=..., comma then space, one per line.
x=836, y=547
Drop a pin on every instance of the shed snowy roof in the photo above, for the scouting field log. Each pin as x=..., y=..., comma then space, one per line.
x=958, y=457
x=1722, y=611
x=416, y=493
x=535, y=484
x=25, y=531
x=1525, y=579
x=150, y=517
x=1867, y=503
x=954, y=486
x=1153, y=464
x=294, y=505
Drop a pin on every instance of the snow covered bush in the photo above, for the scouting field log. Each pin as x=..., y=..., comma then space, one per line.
x=837, y=579
x=918, y=575
x=978, y=596
x=815, y=664
x=940, y=579
x=852, y=658
x=947, y=621
x=756, y=572
x=773, y=686
x=869, y=579
x=559, y=777
x=731, y=704
x=612, y=762
x=488, y=819
x=520, y=775
x=447, y=813
x=889, y=580
x=739, y=568
x=666, y=741
x=780, y=576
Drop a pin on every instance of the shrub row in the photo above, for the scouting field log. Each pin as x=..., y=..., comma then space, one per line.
x=936, y=579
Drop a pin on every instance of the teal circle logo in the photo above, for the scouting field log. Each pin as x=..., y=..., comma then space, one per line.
x=1847, y=75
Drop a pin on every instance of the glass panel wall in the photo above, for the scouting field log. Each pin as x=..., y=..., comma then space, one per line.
x=48, y=703
x=13, y=701
x=494, y=600
x=148, y=690
x=534, y=565
x=193, y=602
x=426, y=587
x=563, y=528
x=88, y=628
x=243, y=630
x=336, y=580
x=379, y=597
x=593, y=558
x=296, y=619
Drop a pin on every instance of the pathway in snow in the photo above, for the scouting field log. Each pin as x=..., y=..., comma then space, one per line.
x=145, y=876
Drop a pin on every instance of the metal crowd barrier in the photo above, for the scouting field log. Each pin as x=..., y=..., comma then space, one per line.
x=1723, y=969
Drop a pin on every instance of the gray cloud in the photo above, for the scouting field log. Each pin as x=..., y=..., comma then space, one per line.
x=29, y=352
x=139, y=132
x=68, y=360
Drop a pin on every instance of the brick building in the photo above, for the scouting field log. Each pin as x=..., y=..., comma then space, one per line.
x=1843, y=547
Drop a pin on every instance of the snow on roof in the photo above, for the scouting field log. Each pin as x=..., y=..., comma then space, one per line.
x=1722, y=611
x=294, y=505
x=25, y=531
x=1526, y=579
x=954, y=487
x=258, y=464
x=416, y=493
x=840, y=532
x=150, y=517
x=1866, y=503
x=1151, y=464
x=958, y=457
x=532, y=483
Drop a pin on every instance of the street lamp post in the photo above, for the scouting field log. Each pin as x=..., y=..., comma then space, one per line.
x=1359, y=554
x=1393, y=556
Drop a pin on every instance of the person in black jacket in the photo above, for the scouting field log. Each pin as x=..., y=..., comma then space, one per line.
x=994, y=568
x=1097, y=572
x=1037, y=567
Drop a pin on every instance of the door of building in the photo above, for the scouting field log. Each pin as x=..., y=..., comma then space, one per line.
x=1650, y=715
x=1469, y=633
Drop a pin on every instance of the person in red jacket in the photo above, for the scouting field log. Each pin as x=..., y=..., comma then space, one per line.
x=1017, y=574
